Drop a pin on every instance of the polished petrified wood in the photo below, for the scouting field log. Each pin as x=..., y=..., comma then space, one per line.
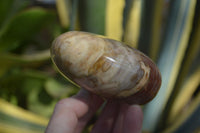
x=106, y=67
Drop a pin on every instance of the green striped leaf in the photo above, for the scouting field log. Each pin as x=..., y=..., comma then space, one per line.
x=14, y=119
x=132, y=20
x=174, y=45
x=114, y=19
x=63, y=9
x=188, y=120
x=189, y=66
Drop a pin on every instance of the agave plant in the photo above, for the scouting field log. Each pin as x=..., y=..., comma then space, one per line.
x=167, y=31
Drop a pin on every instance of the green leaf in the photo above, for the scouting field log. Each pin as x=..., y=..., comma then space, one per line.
x=151, y=27
x=156, y=28
x=145, y=26
x=19, y=83
x=92, y=16
x=63, y=9
x=5, y=7
x=114, y=19
x=28, y=87
x=190, y=122
x=184, y=96
x=9, y=8
x=187, y=120
x=24, y=26
x=9, y=59
x=58, y=90
x=40, y=102
x=73, y=14
x=174, y=47
x=15, y=119
x=189, y=67
x=132, y=20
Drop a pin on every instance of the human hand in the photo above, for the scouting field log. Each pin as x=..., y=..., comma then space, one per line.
x=72, y=114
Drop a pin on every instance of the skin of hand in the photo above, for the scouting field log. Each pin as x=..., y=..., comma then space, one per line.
x=72, y=114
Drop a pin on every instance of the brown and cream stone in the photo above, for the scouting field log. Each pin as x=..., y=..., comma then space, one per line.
x=106, y=67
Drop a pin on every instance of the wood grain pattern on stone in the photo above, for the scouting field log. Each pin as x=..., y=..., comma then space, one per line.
x=106, y=67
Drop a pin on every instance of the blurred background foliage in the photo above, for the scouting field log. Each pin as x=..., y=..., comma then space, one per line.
x=166, y=30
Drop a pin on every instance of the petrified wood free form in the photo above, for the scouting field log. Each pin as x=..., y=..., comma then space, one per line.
x=106, y=67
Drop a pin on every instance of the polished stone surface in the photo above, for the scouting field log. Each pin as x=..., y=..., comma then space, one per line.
x=104, y=66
